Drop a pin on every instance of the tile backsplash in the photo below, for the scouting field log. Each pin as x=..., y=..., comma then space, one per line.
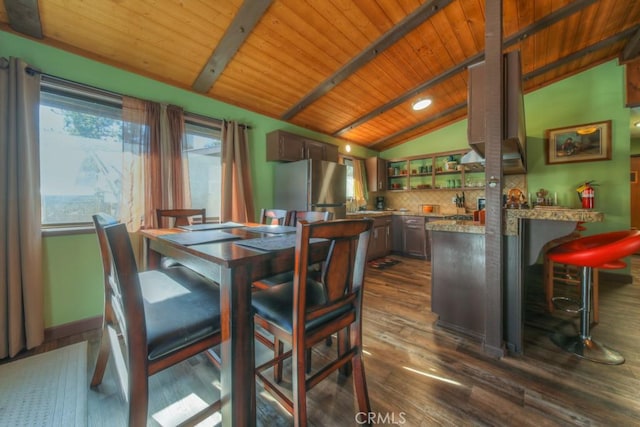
x=442, y=198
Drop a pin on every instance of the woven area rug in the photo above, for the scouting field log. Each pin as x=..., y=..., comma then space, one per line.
x=382, y=263
x=48, y=389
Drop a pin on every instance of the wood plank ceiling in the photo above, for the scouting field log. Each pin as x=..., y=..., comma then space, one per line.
x=350, y=69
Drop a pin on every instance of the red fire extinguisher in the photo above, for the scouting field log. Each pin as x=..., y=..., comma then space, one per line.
x=587, y=196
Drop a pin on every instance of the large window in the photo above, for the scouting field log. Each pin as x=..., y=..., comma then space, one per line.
x=80, y=158
x=81, y=147
x=203, y=146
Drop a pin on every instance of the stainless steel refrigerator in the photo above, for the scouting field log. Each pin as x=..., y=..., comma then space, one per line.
x=311, y=185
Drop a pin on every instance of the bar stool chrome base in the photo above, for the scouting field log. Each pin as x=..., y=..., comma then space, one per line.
x=587, y=348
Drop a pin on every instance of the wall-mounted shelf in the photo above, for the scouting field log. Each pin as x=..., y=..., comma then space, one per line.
x=438, y=171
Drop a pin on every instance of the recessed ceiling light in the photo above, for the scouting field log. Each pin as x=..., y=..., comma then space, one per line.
x=421, y=104
x=348, y=148
x=637, y=124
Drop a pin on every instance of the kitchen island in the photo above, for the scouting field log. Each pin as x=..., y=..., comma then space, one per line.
x=458, y=266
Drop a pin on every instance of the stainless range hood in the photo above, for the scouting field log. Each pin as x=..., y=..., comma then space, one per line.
x=512, y=162
x=513, y=145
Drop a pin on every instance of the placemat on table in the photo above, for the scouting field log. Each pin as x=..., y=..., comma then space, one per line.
x=197, y=237
x=272, y=243
x=275, y=229
x=210, y=226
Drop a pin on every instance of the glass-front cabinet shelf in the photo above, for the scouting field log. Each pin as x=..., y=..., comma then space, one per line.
x=398, y=175
x=474, y=179
x=440, y=171
x=449, y=171
x=421, y=173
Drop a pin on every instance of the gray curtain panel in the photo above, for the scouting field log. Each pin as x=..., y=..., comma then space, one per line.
x=21, y=290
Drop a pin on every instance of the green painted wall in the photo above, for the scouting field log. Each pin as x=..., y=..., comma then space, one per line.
x=592, y=96
x=635, y=146
x=452, y=137
x=73, y=287
x=72, y=271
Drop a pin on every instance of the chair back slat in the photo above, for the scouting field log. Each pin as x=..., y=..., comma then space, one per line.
x=309, y=216
x=273, y=216
x=179, y=216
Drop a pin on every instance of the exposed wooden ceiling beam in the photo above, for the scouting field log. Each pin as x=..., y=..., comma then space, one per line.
x=243, y=23
x=408, y=24
x=535, y=73
x=539, y=25
x=631, y=49
x=24, y=17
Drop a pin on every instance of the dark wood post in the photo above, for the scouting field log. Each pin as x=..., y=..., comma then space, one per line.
x=494, y=135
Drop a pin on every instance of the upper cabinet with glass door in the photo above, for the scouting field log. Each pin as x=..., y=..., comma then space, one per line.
x=421, y=173
x=448, y=170
x=398, y=174
x=440, y=171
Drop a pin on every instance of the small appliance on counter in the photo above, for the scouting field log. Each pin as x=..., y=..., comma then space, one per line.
x=379, y=203
x=481, y=203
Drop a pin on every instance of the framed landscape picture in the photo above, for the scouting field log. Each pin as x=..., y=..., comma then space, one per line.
x=579, y=143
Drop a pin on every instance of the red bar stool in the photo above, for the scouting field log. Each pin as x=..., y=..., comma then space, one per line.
x=599, y=251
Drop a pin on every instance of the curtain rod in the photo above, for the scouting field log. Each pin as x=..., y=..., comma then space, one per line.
x=32, y=71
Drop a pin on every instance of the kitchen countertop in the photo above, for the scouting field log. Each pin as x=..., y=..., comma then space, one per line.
x=512, y=216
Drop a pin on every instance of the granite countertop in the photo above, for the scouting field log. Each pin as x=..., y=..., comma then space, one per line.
x=457, y=226
x=512, y=216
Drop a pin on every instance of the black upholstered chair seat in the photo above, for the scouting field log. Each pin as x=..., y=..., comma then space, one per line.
x=276, y=305
x=181, y=307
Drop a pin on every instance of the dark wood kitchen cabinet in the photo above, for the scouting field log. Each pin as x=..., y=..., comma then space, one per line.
x=414, y=237
x=409, y=236
x=380, y=239
x=396, y=235
x=288, y=147
x=376, y=173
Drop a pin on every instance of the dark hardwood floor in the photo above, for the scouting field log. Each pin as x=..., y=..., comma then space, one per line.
x=421, y=375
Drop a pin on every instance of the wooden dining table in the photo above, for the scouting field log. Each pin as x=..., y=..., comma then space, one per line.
x=234, y=267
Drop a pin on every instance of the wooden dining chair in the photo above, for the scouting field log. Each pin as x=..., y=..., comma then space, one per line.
x=304, y=311
x=162, y=316
x=292, y=219
x=168, y=218
x=179, y=216
x=273, y=216
x=310, y=216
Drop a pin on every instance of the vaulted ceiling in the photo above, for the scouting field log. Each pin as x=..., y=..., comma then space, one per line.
x=350, y=69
